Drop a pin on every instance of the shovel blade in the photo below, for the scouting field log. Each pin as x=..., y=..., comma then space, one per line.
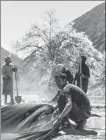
x=18, y=99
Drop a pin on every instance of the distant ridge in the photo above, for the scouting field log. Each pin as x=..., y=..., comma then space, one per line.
x=93, y=24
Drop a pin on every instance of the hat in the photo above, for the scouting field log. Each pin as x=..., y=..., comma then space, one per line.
x=8, y=57
x=59, y=68
x=83, y=58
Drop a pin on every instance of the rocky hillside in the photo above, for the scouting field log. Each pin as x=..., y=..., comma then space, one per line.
x=15, y=59
x=93, y=24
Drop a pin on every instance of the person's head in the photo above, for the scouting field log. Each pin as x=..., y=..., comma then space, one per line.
x=59, y=68
x=83, y=59
x=61, y=80
x=8, y=60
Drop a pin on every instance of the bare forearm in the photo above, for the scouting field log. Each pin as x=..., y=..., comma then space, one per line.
x=86, y=77
x=14, y=69
x=56, y=107
x=55, y=98
x=66, y=110
x=5, y=75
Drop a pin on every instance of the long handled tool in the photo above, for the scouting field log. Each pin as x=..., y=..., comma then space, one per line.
x=80, y=72
x=18, y=98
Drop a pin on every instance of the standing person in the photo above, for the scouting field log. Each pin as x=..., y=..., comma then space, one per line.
x=72, y=103
x=85, y=75
x=7, y=74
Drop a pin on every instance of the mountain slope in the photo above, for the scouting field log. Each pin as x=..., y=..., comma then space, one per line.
x=93, y=24
x=15, y=59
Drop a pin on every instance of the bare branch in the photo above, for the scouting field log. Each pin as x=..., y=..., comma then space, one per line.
x=42, y=31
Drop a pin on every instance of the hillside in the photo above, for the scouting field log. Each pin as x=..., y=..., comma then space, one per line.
x=15, y=59
x=93, y=24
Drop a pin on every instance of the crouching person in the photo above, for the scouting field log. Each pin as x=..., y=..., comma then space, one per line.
x=72, y=103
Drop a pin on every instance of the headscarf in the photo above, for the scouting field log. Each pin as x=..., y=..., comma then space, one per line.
x=8, y=57
x=83, y=58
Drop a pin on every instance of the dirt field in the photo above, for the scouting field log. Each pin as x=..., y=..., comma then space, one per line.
x=95, y=127
x=94, y=124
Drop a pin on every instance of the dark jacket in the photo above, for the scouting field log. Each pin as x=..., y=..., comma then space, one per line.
x=85, y=72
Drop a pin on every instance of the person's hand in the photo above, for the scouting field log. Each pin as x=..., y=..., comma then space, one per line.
x=50, y=110
x=67, y=88
x=80, y=74
x=56, y=112
x=83, y=76
x=15, y=68
x=56, y=122
x=5, y=76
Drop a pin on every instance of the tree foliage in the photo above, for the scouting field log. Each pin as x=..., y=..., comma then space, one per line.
x=49, y=45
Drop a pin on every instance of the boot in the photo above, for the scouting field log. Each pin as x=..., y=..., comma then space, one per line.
x=81, y=124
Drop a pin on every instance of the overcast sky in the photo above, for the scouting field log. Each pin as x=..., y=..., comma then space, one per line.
x=17, y=16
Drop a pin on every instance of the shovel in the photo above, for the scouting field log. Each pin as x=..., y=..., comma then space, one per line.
x=17, y=98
